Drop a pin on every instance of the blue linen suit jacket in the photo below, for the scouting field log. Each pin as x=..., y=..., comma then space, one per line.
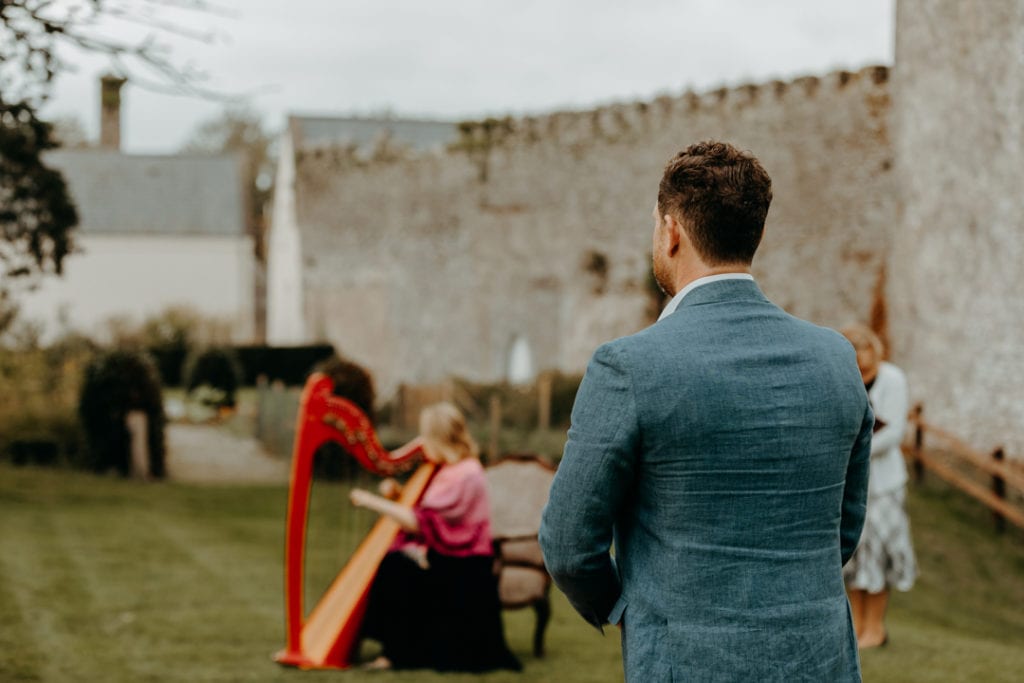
x=725, y=450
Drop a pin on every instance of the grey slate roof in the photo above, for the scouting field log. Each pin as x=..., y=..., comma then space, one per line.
x=154, y=195
x=319, y=131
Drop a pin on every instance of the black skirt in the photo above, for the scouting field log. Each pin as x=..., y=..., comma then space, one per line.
x=447, y=617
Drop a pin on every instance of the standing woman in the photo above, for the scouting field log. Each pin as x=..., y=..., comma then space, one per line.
x=434, y=602
x=885, y=557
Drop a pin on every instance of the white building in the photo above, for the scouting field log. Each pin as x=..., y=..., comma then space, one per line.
x=154, y=232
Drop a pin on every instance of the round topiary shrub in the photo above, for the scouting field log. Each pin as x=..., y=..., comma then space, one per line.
x=217, y=368
x=352, y=382
x=116, y=383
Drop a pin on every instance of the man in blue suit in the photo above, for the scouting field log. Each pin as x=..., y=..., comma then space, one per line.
x=725, y=451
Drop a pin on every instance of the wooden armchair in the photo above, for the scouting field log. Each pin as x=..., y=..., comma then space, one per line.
x=519, y=490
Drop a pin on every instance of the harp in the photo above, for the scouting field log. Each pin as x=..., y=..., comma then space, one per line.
x=326, y=640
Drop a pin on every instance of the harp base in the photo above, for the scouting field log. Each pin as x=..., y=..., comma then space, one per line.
x=297, y=660
x=293, y=659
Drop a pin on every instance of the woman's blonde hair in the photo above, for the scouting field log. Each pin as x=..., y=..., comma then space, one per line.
x=863, y=337
x=443, y=427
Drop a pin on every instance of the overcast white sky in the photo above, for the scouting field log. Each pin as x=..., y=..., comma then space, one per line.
x=461, y=58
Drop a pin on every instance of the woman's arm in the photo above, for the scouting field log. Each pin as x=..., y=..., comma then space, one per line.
x=401, y=514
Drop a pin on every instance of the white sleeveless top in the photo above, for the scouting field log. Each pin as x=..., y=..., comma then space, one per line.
x=890, y=401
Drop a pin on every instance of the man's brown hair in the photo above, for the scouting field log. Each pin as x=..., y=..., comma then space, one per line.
x=721, y=196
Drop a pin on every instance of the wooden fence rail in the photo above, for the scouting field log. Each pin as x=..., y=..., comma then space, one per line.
x=1003, y=473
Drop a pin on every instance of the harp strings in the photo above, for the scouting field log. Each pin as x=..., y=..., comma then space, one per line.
x=335, y=528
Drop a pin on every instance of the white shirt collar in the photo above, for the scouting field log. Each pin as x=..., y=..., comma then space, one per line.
x=672, y=305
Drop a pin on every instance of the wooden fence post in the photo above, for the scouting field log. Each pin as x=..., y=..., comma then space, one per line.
x=544, y=383
x=137, y=424
x=262, y=384
x=495, y=430
x=280, y=421
x=918, y=443
x=999, y=489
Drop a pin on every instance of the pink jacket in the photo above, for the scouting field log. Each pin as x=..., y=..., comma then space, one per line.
x=454, y=514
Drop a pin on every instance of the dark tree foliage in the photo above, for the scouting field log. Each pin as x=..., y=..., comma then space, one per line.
x=214, y=367
x=116, y=383
x=36, y=213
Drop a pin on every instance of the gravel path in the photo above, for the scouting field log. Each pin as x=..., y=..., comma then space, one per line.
x=202, y=454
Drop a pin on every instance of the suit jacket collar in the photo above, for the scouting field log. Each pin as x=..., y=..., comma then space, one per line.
x=722, y=291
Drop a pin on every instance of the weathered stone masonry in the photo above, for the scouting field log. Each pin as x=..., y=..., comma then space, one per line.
x=956, y=283
x=420, y=269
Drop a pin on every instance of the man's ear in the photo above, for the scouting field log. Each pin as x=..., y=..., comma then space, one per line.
x=673, y=234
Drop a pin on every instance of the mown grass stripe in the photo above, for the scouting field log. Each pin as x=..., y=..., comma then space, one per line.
x=24, y=660
x=67, y=627
x=111, y=580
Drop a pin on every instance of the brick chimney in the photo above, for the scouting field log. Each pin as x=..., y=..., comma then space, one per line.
x=110, y=111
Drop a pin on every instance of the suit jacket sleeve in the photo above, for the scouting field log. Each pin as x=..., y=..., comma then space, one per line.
x=592, y=481
x=855, y=493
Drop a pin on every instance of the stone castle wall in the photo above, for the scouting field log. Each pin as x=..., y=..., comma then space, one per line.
x=420, y=269
x=957, y=314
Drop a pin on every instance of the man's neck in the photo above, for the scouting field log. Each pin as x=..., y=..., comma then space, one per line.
x=687, y=274
x=723, y=274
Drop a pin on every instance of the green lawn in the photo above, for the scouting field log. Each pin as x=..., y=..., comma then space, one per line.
x=107, y=580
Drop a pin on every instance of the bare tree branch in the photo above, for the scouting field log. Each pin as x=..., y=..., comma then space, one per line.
x=37, y=27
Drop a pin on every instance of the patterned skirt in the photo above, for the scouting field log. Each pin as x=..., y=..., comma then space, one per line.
x=885, y=557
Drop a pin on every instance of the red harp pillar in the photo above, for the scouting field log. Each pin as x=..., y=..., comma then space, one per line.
x=327, y=639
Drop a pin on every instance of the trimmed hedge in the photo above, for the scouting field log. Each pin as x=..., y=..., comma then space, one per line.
x=289, y=364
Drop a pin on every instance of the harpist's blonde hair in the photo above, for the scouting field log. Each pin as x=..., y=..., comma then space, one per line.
x=863, y=337
x=444, y=430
